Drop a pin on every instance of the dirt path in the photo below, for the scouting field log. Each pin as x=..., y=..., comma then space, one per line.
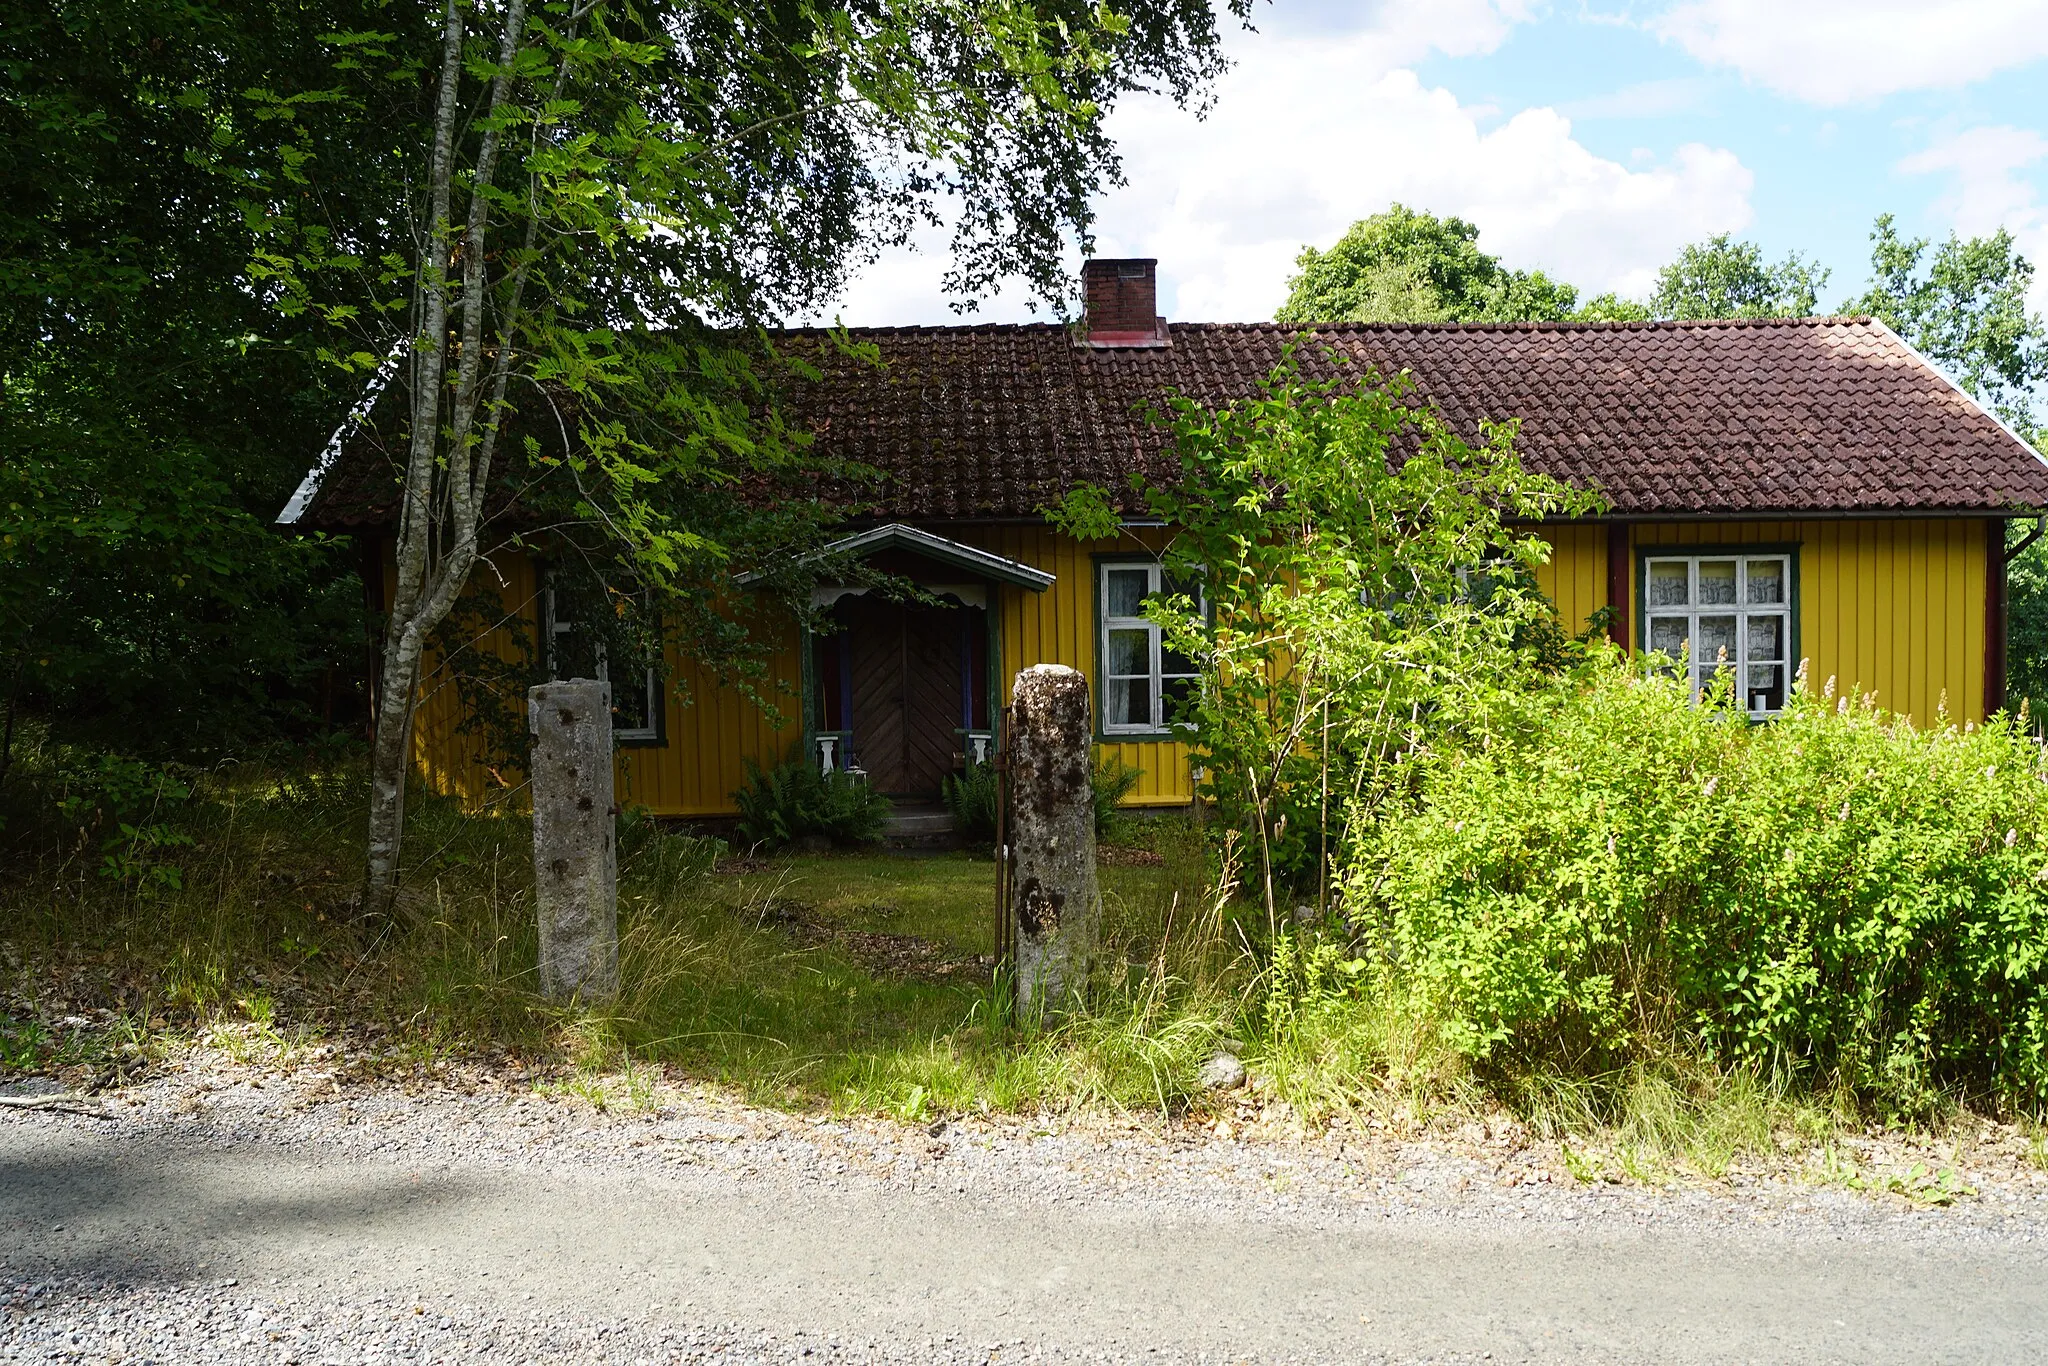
x=525, y=1229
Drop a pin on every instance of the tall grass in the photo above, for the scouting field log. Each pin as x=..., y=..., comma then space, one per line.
x=245, y=936
x=743, y=979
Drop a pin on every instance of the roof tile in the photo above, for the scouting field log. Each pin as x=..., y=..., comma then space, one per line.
x=1667, y=419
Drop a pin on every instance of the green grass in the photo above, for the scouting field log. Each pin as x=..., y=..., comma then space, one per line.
x=850, y=981
x=947, y=898
x=845, y=982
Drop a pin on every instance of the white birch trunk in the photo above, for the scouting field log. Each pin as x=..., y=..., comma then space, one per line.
x=441, y=502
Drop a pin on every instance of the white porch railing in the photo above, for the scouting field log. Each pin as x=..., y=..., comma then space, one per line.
x=980, y=745
x=834, y=750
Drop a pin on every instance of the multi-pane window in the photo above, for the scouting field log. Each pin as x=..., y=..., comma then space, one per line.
x=1143, y=681
x=1734, y=611
x=577, y=649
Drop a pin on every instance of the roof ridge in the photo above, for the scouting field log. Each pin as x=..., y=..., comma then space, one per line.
x=1535, y=325
x=897, y=329
x=1268, y=325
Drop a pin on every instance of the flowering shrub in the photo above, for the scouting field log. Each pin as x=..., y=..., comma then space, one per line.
x=1611, y=873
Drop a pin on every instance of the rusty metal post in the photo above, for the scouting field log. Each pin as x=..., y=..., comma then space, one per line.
x=1005, y=950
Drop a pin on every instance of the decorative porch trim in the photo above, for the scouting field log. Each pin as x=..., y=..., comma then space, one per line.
x=898, y=536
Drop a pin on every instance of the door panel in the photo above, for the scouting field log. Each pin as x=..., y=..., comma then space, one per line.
x=931, y=695
x=875, y=635
x=905, y=672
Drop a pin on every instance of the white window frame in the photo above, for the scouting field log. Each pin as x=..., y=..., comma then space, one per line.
x=1155, y=651
x=652, y=698
x=1754, y=700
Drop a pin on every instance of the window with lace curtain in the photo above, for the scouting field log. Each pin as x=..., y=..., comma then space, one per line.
x=1723, y=614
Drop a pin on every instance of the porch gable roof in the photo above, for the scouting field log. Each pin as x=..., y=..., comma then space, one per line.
x=917, y=541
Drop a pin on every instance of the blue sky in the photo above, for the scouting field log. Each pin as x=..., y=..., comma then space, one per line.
x=1591, y=140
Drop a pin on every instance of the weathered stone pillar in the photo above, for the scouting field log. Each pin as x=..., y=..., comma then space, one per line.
x=575, y=844
x=1055, y=906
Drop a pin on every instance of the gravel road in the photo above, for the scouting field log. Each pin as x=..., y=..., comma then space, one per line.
x=229, y=1213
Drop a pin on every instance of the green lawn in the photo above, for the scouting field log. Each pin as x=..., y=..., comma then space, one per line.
x=849, y=980
x=947, y=898
x=861, y=980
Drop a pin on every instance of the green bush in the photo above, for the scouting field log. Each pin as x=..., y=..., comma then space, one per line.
x=1614, y=875
x=970, y=799
x=795, y=800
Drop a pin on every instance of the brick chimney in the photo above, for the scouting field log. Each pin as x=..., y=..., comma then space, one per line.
x=1123, y=303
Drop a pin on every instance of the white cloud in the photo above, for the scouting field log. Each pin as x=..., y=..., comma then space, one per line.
x=1312, y=132
x=1985, y=163
x=1842, y=51
x=1987, y=190
x=1644, y=100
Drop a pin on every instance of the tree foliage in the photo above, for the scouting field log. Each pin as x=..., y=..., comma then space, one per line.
x=1406, y=266
x=155, y=413
x=1359, y=562
x=598, y=192
x=1721, y=278
x=1964, y=308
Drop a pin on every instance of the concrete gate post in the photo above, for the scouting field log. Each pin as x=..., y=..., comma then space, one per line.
x=575, y=844
x=1055, y=906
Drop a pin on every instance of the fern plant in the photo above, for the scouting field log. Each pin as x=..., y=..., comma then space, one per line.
x=1112, y=781
x=970, y=799
x=795, y=800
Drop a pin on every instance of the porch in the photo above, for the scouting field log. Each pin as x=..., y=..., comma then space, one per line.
x=906, y=689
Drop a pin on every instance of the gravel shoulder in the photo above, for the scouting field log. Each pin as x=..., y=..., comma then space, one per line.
x=230, y=1212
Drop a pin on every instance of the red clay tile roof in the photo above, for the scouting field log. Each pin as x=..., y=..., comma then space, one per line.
x=1668, y=419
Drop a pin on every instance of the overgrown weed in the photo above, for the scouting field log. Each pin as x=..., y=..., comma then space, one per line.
x=740, y=979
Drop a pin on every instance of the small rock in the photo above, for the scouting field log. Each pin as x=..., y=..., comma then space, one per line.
x=1223, y=1072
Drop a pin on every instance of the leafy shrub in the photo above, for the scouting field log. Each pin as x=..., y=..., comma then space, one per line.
x=1615, y=875
x=970, y=799
x=1358, y=560
x=795, y=799
x=127, y=803
x=1112, y=781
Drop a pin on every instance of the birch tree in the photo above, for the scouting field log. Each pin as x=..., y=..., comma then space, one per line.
x=611, y=197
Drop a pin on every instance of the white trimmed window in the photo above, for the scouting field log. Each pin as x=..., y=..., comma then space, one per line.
x=1143, y=681
x=574, y=651
x=1734, y=611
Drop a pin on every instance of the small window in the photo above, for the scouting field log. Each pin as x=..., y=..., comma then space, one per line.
x=576, y=650
x=1145, y=684
x=1735, y=612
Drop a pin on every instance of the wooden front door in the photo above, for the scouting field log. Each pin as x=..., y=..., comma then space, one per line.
x=905, y=665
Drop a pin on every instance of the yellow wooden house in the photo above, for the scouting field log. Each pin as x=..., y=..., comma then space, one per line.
x=1788, y=492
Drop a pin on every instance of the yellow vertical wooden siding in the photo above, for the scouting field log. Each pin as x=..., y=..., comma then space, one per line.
x=1893, y=608
x=1575, y=579
x=710, y=736
x=1058, y=626
x=451, y=761
x=711, y=729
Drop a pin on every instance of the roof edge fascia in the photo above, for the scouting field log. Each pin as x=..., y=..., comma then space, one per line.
x=2010, y=511
x=330, y=454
